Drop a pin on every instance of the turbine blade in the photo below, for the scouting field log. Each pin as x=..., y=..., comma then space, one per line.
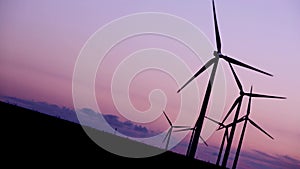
x=255, y=125
x=203, y=68
x=218, y=38
x=215, y=121
x=264, y=96
x=237, y=100
x=181, y=126
x=168, y=133
x=227, y=126
x=204, y=141
x=249, y=102
x=236, y=62
x=230, y=124
x=169, y=121
x=184, y=129
x=236, y=78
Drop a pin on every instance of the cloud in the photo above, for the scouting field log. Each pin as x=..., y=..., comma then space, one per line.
x=128, y=128
x=43, y=107
x=89, y=112
x=263, y=160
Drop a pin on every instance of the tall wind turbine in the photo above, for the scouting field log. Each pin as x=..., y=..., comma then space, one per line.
x=168, y=135
x=246, y=119
x=214, y=61
x=238, y=103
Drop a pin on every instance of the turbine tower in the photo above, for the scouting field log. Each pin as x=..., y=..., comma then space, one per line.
x=214, y=61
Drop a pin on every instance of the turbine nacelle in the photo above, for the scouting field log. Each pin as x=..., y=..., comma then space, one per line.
x=217, y=54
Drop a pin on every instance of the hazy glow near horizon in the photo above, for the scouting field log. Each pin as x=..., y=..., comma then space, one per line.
x=40, y=42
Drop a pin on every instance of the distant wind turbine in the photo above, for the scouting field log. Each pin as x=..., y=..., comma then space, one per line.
x=168, y=135
x=225, y=137
x=214, y=61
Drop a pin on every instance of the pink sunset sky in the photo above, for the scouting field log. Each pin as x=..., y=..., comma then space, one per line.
x=41, y=40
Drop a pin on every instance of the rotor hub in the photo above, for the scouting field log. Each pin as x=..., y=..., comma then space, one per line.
x=217, y=54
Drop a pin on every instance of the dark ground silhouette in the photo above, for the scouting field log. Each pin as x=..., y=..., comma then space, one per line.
x=29, y=138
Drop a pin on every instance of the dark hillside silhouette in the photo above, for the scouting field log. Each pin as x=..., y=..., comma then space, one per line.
x=34, y=138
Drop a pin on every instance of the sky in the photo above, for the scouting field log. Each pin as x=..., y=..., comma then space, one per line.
x=41, y=41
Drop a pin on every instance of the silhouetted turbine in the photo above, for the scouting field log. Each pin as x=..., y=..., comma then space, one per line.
x=225, y=137
x=168, y=135
x=237, y=103
x=214, y=61
x=246, y=119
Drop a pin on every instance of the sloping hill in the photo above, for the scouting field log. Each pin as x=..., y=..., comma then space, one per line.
x=37, y=137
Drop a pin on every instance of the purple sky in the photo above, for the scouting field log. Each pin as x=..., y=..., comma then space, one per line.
x=40, y=42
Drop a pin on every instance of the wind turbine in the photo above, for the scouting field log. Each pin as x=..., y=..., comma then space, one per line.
x=246, y=119
x=225, y=136
x=214, y=61
x=168, y=135
x=238, y=103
